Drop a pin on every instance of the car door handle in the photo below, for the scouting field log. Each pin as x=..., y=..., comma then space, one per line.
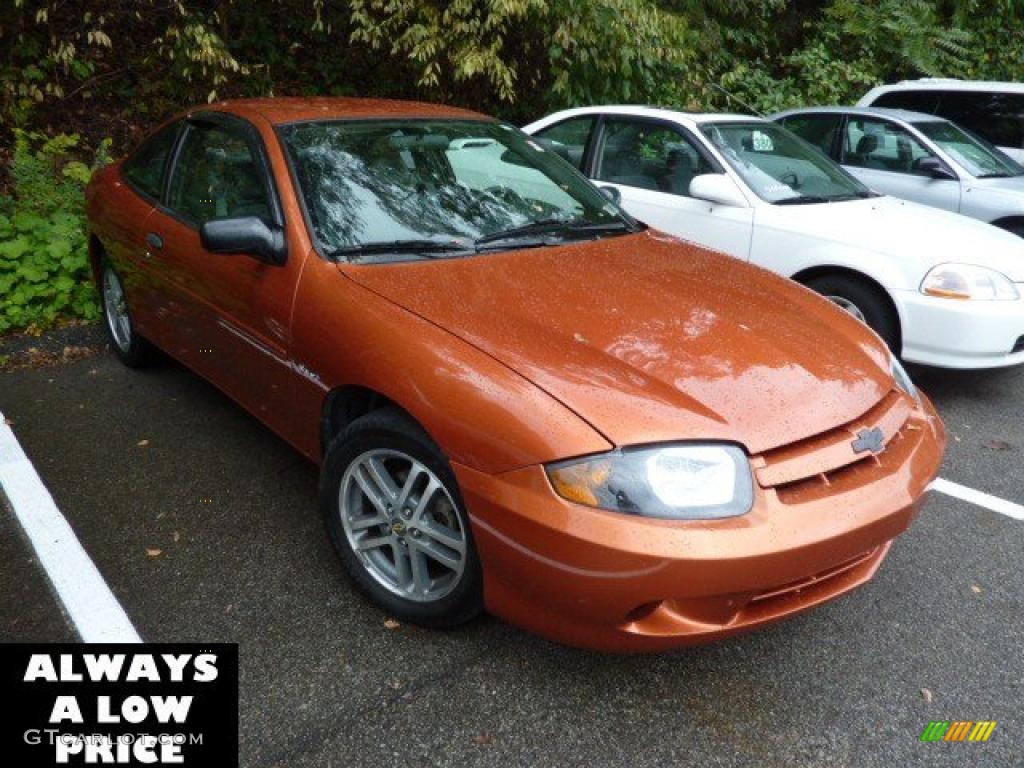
x=155, y=240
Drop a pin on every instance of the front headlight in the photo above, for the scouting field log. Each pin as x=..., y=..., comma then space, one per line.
x=968, y=281
x=902, y=378
x=680, y=482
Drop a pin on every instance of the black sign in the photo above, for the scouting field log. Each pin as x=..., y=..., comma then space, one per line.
x=149, y=704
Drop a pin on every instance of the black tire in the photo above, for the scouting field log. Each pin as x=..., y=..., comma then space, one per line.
x=391, y=429
x=135, y=352
x=874, y=305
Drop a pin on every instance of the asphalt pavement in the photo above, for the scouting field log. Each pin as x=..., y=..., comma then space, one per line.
x=205, y=526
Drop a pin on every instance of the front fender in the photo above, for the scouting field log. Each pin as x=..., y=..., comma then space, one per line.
x=480, y=412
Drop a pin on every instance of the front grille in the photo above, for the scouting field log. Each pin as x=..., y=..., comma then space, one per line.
x=827, y=463
x=1018, y=346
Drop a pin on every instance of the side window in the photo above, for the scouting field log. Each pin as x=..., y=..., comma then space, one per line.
x=882, y=146
x=999, y=117
x=568, y=138
x=145, y=169
x=819, y=130
x=216, y=176
x=649, y=156
x=915, y=101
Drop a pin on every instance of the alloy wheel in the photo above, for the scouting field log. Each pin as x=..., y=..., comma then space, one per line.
x=116, y=310
x=403, y=525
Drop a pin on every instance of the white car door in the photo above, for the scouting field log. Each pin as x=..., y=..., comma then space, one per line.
x=885, y=157
x=651, y=162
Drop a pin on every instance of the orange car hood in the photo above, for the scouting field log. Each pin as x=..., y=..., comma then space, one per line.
x=651, y=339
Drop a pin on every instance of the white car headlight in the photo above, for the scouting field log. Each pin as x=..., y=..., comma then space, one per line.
x=902, y=378
x=968, y=281
x=685, y=481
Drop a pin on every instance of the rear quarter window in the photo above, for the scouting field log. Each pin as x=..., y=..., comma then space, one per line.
x=145, y=169
x=819, y=130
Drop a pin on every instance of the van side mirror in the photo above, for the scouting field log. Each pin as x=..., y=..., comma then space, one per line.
x=717, y=188
x=247, y=235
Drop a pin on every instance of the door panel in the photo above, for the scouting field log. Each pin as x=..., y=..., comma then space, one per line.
x=120, y=214
x=652, y=164
x=884, y=157
x=238, y=307
x=939, y=193
x=135, y=188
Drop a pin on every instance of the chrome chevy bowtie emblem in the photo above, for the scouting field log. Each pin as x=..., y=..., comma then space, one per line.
x=869, y=440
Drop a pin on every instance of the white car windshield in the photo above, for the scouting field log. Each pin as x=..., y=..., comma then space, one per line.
x=976, y=155
x=385, y=190
x=780, y=167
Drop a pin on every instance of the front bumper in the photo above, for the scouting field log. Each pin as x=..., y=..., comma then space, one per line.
x=613, y=582
x=961, y=334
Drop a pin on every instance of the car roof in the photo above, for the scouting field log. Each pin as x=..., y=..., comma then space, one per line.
x=283, y=110
x=950, y=83
x=662, y=113
x=904, y=115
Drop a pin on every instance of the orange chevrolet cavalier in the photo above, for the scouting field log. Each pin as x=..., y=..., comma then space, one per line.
x=522, y=400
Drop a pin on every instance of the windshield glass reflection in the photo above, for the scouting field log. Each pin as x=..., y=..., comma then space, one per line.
x=980, y=158
x=780, y=167
x=378, y=188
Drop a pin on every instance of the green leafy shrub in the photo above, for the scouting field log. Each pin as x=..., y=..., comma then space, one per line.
x=44, y=263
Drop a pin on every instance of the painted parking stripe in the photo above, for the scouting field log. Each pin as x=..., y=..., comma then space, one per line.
x=988, y=501
x=91, y=606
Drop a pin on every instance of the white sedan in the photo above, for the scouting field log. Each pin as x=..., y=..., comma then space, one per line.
x=939, y=288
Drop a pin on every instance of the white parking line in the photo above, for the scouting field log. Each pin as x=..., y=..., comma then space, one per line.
x=92, y=607
x=988, y=501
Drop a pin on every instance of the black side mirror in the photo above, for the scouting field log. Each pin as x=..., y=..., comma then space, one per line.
x=612, y=193
x=247, y=234
x=934, y=168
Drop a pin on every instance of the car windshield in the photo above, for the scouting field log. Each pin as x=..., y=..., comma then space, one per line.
x=780, y=167
x=383, y=190
x=977, y=156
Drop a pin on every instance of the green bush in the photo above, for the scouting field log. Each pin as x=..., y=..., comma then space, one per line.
x=44, y=263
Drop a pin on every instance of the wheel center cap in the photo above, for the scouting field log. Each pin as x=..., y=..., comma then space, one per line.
x=398, y=528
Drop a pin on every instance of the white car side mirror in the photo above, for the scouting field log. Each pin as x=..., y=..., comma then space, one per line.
x=717, y=188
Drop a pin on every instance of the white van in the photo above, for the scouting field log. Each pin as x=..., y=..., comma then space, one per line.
x=993, y=110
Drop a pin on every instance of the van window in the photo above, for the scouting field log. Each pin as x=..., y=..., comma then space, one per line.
x=998, y=117
x=915, y=101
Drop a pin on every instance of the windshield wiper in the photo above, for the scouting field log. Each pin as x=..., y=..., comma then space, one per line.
x=543, y=226
x=803, y=200
x=995, y=175
x=810, y=199
x=555, y=227
x=429, y=248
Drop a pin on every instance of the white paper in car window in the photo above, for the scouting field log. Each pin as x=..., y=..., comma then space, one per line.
x=762, y=142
